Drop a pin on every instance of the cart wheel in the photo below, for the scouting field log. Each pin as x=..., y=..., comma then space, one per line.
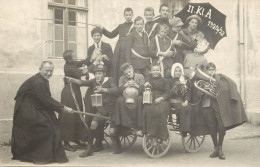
x=127, y=139
x=192, y=143
x=154, y=147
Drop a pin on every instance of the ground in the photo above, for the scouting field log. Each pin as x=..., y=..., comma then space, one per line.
x=241, y=148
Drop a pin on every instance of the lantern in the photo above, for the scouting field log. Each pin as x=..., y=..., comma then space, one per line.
x=96, y=100
x=147, y=96
x=130, y=93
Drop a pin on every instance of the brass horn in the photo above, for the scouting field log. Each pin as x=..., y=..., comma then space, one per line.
x=205, y=83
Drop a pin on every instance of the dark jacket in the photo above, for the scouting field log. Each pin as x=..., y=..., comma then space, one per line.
x=105, y=49
x=71, y=125
x=140, y=45
x=35, y=122
x=107, y=98
x=119, y=52
x=230, y=103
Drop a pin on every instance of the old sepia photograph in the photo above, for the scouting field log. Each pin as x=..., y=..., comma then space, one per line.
x=130, y=83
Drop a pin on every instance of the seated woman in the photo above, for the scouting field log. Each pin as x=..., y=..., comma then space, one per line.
x=105, y=86
x=180, y=94
x=155, y=114
x=128, y=111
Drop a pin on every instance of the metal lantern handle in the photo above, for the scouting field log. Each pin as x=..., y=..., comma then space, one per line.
x=148, y=88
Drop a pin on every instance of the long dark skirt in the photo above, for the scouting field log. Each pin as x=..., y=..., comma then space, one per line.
x=37, y=140
x=128, y=115
x=155, y=119
x=183, y=116
x=118, y=59
x=71, y=125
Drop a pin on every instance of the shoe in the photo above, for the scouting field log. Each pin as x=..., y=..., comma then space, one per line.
x=69, y=148
x=97, y=148
x=88, y=152
x=184, y=134
x=139, y=133
x=116, y=145
x=116, y=149
x=81, y=143
x=220, y=153
x=215, y=153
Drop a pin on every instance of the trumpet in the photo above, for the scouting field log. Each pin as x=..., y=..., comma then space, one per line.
x=205, y=83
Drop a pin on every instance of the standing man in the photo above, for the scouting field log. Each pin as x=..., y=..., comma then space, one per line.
x=35, y=134
x=163, y=18
x=223, y=112
x=72, y=127
x=137, y=48
x=150, y=26
x=176, y=37
x=162, y=52
x=100, y=52
x=122, y=30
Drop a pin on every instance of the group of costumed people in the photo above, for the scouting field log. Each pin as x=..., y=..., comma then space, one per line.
x=160, y=55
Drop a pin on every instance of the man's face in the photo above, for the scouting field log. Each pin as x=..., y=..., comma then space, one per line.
x=176, y=28
x=96, y=37
x=156, y=71
x=99, y=75
x=128, y=16
x=163, y=32
x=73, y=57
x=46, y=70
x=139, y=25
x=148, y=15
x=193, y=24
x=211, y=71
x=129, y=73
x=164, y=12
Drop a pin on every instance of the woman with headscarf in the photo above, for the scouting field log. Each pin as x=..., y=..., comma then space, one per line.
x=180, y=95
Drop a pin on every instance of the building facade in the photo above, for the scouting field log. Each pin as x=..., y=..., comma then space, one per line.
x=32, y=31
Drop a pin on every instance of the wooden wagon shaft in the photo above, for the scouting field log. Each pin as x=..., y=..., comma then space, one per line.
x=92, y=115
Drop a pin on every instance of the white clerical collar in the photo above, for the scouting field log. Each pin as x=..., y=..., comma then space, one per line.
x=98, y=45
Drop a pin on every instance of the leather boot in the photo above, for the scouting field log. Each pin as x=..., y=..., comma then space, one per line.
x=98, y=143
x=97, y=147
x=221, y=154
x=88, y=152
x=68, y=147
x=116, y=145
x=215, y=153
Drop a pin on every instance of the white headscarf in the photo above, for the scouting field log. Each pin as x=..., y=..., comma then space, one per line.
x=174, y=66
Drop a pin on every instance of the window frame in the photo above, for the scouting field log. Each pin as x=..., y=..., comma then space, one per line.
x=66, y=8
x=170, y=4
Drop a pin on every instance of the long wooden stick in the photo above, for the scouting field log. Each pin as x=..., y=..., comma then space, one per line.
x=66, y=21
x=93, y=115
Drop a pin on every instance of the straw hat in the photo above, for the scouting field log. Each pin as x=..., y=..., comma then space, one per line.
x=194, y=17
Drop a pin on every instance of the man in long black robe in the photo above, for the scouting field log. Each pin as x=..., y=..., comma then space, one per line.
x=35, y=134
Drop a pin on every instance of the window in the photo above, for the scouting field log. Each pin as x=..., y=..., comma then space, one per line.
x=67, y=27
x=176, y=5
